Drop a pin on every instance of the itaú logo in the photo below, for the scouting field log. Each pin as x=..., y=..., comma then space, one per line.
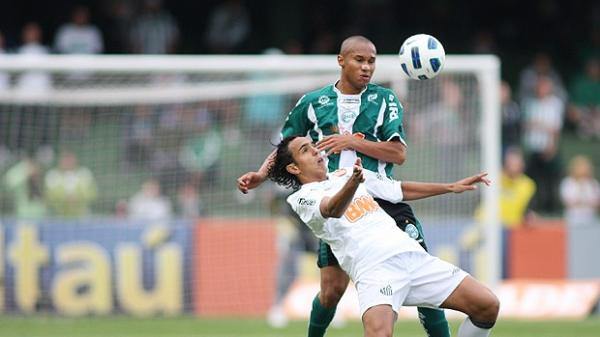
x=360, y=207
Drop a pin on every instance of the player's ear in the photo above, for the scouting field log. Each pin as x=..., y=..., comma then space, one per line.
x=292, y=168
x=340, y=60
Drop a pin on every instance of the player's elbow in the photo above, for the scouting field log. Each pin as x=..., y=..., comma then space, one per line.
x=400, y=155
x=332, y=212
x=401, y=158
x=335, y=214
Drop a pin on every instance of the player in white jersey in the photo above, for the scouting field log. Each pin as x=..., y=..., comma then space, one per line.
x=388, y=268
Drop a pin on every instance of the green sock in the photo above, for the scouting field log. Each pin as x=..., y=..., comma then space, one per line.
x=320, y=318
x=434, y=322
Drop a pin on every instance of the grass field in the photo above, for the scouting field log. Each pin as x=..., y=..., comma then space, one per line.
x=193, y=327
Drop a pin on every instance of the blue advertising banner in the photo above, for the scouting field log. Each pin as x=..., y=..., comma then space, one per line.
x=95, y=267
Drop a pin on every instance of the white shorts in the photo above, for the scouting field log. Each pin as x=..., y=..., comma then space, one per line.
x=410, y=279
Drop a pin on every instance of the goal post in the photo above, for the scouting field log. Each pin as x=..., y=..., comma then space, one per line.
x=195, y=123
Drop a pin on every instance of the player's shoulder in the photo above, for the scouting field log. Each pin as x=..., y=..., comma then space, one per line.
x=379, y=89
x=322, y=95
x=304, y=196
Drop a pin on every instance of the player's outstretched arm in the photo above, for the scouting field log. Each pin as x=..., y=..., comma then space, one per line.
x=415, y=190
x=251, y=180
x=335, y=206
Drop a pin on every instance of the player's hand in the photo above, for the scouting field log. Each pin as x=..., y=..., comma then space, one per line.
x=469, y=183
x=336, y=143
x=249, y=181
x=357, y=172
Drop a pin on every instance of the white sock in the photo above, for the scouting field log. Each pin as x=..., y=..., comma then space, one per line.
x=467, y=329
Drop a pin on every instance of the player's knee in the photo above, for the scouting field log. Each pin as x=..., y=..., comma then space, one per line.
x=331, y=293
x=378, y=328
x=333, y=285
x=486, y=311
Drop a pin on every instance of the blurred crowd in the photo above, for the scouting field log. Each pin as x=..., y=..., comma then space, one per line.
x=545, y=104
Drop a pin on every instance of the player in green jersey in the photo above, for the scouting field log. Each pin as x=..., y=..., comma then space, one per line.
x=349, y=119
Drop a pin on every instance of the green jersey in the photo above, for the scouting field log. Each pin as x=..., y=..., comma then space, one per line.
x=375, y=115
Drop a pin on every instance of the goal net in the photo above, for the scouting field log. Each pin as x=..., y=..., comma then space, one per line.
x=118, y=189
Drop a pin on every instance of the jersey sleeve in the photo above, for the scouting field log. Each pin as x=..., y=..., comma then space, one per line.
x=382, y=187
x=307, y=204
x=392, y=123
x=297, y=122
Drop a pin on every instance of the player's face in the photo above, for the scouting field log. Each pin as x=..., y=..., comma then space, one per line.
x=309, y=164
x=358, y=65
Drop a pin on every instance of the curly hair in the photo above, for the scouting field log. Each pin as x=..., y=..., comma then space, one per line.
x=278, y=172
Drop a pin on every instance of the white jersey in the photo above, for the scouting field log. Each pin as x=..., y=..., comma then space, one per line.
x=365, y=235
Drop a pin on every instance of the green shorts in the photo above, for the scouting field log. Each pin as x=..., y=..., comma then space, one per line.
x=405, y=219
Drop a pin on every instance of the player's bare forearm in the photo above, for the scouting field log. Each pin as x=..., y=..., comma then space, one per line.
x=266, y=165
x=390, y=151
x=335, y=206
x=416, y=190
x=251, y=180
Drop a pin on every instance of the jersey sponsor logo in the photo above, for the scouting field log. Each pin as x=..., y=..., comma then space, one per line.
x=372, y=97
x=360, y=207
x=348, y=115
x=393, y=108
x=387, y=290
x=323, y=100
x=350, y=100
x=306, y=202
x=339, y=173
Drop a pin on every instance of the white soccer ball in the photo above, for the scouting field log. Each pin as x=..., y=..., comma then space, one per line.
x=422, y=57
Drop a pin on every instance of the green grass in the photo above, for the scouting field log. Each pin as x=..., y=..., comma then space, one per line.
x=193, y=327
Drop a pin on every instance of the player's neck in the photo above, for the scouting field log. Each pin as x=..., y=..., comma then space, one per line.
x=347, y=89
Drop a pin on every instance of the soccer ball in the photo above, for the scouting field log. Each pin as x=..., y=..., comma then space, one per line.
x=422, y=57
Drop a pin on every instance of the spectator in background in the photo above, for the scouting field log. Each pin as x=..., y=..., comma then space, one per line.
x=79, y=36
x=200, y=154
x=70, y=188
x=189, y=204
x=447, y=114
x=33, y=82
x=155, y=31
x=139, y=136
x=516, y=192
x=541, y=66
x=24, y=182
x=584, y=108
x=580, y=193
x=228, y=27
x=149, y=204
x=511, y=118
x=543, y=116
x=32, y=125
x=119, y=15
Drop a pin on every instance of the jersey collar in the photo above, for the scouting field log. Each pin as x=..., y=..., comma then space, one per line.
x=338, y=92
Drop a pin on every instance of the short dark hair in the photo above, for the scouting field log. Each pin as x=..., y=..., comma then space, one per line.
x=283, y=157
